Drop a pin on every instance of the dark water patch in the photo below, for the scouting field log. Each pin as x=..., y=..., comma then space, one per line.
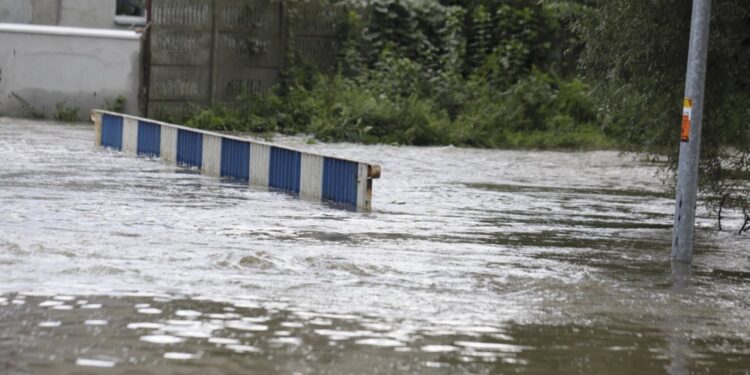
x=562, y=239
x=126, y=234
x=547, y=215
x=341, y=264
x=617, y=265
x=363, y=238
x=581, y=349
x=99, y=270
x=728, y=275
x=175, y=335
x=563, y=220
x=34, y=175
x=327, y=236
x=508, y=188
x=620, y=225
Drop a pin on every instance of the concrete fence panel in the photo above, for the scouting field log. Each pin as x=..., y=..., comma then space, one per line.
x=204, y=52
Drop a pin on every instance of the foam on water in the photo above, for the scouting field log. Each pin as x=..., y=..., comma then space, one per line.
x=50, y=324
x=145, y=325
x=162, y=339
x=180, y=356
x=85, y=362
x=95, y=322
x=380, y=342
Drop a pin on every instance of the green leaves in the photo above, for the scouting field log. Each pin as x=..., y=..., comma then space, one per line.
x=637, y=50
x=478, y=73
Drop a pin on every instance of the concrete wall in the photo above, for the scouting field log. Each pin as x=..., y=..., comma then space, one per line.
x=75, y=13
x=45, y=12
x=15, y=11
x=45, y=65
x=88, y=13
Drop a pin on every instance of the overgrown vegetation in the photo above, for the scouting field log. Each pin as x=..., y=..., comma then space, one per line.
x=65, y=113
x=27, y=110
x=635, y=52
x=543, y=74
x=487, y=74
x=115, y=105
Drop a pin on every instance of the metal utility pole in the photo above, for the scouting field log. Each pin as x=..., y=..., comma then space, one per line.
x=690, y=137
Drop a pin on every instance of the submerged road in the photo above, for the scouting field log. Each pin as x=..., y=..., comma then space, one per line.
x=472, y=261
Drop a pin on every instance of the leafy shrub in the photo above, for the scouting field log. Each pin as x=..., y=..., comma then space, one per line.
x=65, y=113
x=227, y=118
x=423, y=72
x=115, y=105
x=27, y=110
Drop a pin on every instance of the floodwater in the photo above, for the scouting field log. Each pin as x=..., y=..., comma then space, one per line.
x=472, y=261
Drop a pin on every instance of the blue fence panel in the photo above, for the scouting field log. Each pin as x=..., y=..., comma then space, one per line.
x=189, y=148
x=149, y=139
x=340, y=180
x=235, y=159
x=112, y=131
x=284, y=169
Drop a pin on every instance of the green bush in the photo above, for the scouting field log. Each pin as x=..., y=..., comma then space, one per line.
x=115, y=105
x=227, y=118
x=65, y=113
x=27, y=110
x=424, y=73
x=539, y=111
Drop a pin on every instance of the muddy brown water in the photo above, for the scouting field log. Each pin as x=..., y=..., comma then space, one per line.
x=472, y=261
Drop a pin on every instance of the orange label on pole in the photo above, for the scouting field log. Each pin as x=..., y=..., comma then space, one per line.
x=687, y=114
x=685, y=133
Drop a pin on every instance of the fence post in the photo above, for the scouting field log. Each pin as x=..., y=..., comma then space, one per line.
x=284, y=31
x=213, y=61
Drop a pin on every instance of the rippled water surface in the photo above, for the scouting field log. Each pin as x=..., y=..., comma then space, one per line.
x=472, y=261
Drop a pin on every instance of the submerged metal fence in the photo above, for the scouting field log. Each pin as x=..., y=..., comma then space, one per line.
x=258, y=163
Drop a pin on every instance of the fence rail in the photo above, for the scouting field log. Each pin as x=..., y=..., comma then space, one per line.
x=306, y=174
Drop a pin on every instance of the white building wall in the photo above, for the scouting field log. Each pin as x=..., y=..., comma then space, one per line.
x=74, y=13
x=83, y=68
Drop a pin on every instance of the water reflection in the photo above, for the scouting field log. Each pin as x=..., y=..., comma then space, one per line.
x=681, y=277
x=234, y=335
x=679, y=343
x=252, y=332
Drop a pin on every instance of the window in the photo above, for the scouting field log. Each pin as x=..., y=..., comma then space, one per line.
x=131, y=12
